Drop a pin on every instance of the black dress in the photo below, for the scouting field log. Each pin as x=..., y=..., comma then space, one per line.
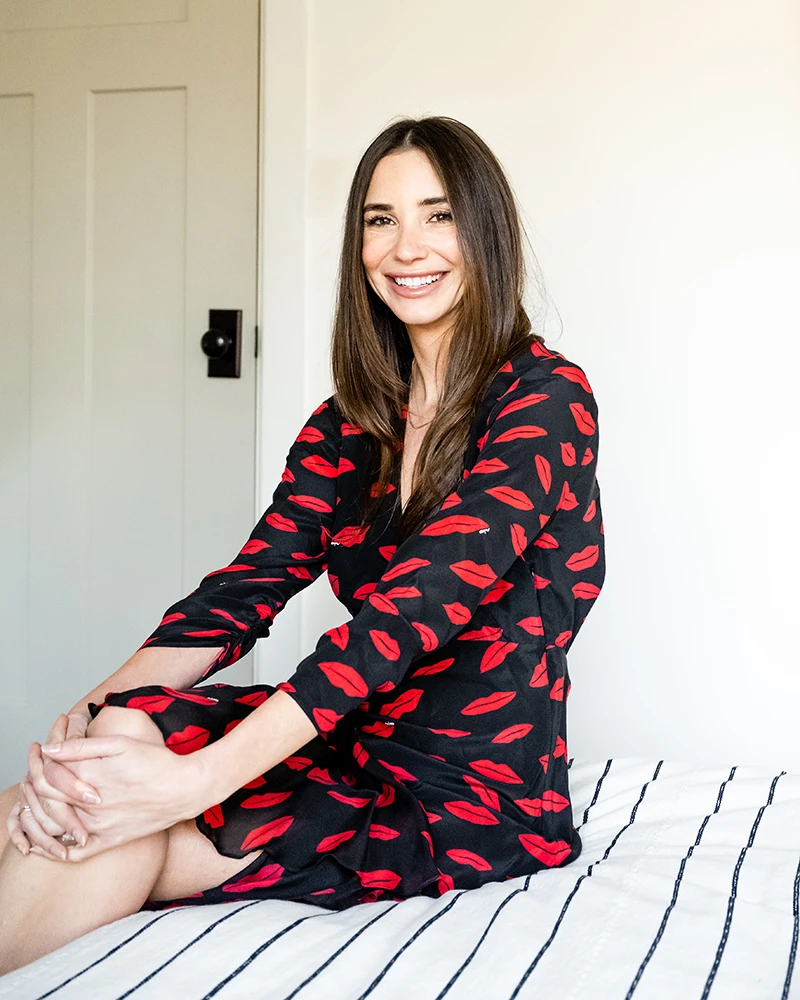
x=441, y=754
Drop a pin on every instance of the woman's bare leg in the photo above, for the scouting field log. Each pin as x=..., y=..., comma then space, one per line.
x=45, y=904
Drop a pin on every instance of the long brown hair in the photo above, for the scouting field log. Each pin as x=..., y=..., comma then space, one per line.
x=371, y=352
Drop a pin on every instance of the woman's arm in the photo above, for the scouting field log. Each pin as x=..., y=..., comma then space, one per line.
x=178, y=668
x=287, y=550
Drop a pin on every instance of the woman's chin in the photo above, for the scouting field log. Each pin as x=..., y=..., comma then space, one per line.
x=427, y=319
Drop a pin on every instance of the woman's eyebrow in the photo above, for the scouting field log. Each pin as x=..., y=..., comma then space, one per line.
x=424, y=203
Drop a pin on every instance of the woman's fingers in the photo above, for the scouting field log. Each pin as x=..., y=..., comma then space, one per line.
x=58, y=730
x=55, y=817
x=41, y=842
x=14, y=827
x=47, y=823
x=82, y=748
x=44, y=812
x=52, y=780
x=77, y=725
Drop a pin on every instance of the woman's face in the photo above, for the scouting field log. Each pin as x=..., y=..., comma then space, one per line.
x=410, y=251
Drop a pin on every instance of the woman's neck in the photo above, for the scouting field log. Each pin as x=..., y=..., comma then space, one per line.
x=426, y=382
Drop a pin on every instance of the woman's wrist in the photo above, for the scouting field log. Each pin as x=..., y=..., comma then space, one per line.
x=272, y=732
x=200, y=788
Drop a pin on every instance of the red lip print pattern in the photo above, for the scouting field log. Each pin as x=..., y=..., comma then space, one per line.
x=495, y=655
x=188, y=740
x=456, y=522
x=472, y=813
x=463, y=857
x=328, y=843
x=491, y=703
x=574, y=375
x=265, y=800
x=151, y=703
x=548, y=853
x=467, y=622
x=498, y=772
x=263, y=834
x=346, y=678
x=514, y=498
x=263, y=879
x=487, y=795
x=513, y=733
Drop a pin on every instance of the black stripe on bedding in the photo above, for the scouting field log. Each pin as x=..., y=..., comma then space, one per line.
x=577, y=885
x=262, y=948
x=411, y=940
x=677, y=886
x=734, y=887
x=320, y=969
x=596, y=793
x=474, y=952
x=108, y=954
x=186, y=947
x=793, y=950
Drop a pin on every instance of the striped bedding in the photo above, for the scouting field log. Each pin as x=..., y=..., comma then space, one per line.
x=687, y=888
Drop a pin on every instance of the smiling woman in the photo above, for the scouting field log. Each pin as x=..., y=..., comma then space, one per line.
x=448, y=488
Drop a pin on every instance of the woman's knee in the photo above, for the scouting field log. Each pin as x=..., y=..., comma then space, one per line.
x=116, y=721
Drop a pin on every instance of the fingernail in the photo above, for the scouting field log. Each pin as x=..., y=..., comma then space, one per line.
x=39, y=851
x=51, y=747
x=81, y=839
x=89, y=797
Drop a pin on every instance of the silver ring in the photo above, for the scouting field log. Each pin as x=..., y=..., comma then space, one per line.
x=68, y=840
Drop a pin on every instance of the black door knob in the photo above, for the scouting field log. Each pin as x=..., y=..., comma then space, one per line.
x=215, y=343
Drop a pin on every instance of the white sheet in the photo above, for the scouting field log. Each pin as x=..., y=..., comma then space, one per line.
x=687, y=888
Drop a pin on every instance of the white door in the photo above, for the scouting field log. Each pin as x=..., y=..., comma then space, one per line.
x=128, y=209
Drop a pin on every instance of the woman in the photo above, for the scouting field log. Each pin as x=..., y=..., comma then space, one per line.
x=448, y=487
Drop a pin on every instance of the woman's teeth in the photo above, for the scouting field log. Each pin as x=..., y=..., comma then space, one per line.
x=416, y=282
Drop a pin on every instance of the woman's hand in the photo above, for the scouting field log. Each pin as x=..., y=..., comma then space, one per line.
x=143, y=787
x=51, y=791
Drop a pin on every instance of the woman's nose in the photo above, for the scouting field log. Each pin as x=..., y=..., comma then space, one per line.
x=410, y=244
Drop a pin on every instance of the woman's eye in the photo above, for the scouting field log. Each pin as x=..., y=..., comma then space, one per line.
x=377, y=220
x=442, y=216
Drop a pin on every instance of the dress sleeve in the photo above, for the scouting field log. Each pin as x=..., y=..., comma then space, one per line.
x=537, y=462
x=287, y=550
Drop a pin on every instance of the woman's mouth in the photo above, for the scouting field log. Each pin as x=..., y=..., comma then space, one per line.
x=415, y=284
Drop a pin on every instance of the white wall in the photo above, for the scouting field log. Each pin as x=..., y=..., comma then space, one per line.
x=655, y=148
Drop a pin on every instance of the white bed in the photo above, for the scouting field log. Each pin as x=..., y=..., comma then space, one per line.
x=687, y=888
